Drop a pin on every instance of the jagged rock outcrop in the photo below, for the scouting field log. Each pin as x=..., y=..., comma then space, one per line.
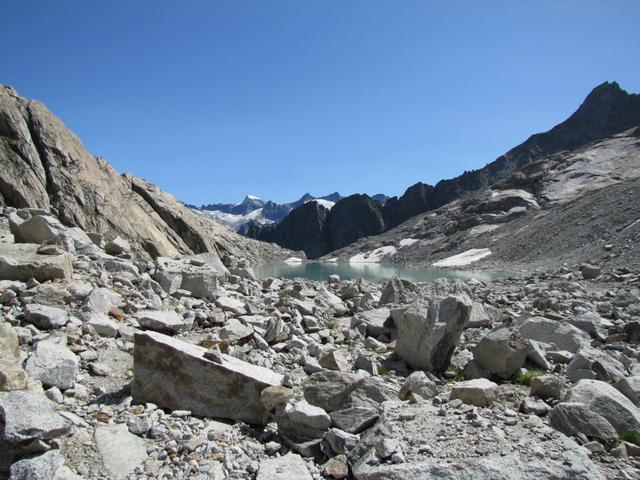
x=303, y=229
x=317, y=230
x=351, y=218
x=416, y=200
x=46, y=166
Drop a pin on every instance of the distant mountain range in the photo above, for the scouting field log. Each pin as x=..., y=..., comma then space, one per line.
x=253, y=211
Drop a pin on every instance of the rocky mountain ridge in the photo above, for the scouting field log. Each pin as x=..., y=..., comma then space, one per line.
x=578, y=206
x=253, y=212
x=606, y=111
x=45, y=166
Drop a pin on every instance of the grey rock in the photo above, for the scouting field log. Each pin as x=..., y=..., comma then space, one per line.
x=479, y=392
x=630, y=388
x=546, y=386
x=501, y=352
x=589, y=271
x=429, y=329
x=479, y=317
x=534, y=406
x=161, y=320
x=23, y=262
x=572, y=418
x=608, y=402
x=29, y=415
x=587, y=322
x=331, y=390
x=43, y=316
x=303, y=420
x=12, y=375
x=120, y=451
x=235, y=331
x=562, y=336
x=334, y=360
x=355, y=419
x=201, y=283
x=288, y=467
x=341, y=442
x=372, y=391
x=117, y=246
x=418, y=383
x=596, y=364
x=232, y=305
x=175, y=375
x=101, y=300
x=38, y=467
x=53, y=364
x=377, y=321
x=104, y=325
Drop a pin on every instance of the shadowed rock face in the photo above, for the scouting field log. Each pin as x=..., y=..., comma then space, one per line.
x=304, y=229
x=351, y=218
x=46, y=166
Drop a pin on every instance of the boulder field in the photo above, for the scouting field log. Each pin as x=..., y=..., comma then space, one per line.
x=114, y=366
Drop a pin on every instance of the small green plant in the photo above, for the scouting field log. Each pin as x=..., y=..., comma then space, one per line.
x=525, y=377
x=330, y=325
x=631, y=437
x=382, y=370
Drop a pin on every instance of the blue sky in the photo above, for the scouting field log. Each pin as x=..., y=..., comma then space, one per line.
x=216, y=99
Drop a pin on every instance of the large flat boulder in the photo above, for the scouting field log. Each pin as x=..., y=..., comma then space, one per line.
x=501, y=352
x=22, y=262
x=176, y=375
x=120, y=451
x=429, y=328
x=607, y=402
x=560, y=335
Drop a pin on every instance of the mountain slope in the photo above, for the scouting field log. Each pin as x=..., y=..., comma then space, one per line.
x=606, y=111
x=46, y=166
x=564, y=208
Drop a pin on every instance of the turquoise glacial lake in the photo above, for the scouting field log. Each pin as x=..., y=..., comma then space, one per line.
x=372, y=272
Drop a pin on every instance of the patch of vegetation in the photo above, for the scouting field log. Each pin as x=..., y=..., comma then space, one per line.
x=383, y=371
x=525, y=377
x=631, y=437
x=330, y=325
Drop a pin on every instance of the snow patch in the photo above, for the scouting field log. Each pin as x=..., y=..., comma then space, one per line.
x=405, y=242
x=464, y=258
x=325, y=203
x=374, y=256
x=331, y=260
x=293, y=260
x=235, y=221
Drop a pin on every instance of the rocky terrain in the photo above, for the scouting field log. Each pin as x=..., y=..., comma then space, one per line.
x=580, y=206
x=606, y=112
x=45, y=166
x=114, y=366
x=142, y=345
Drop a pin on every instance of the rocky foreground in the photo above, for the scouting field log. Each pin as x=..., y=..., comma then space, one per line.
x=190, y=367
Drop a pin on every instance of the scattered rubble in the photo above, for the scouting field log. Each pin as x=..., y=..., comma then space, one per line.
x=121, y=367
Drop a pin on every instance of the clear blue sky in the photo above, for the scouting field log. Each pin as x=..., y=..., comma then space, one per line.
x=216, y=99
